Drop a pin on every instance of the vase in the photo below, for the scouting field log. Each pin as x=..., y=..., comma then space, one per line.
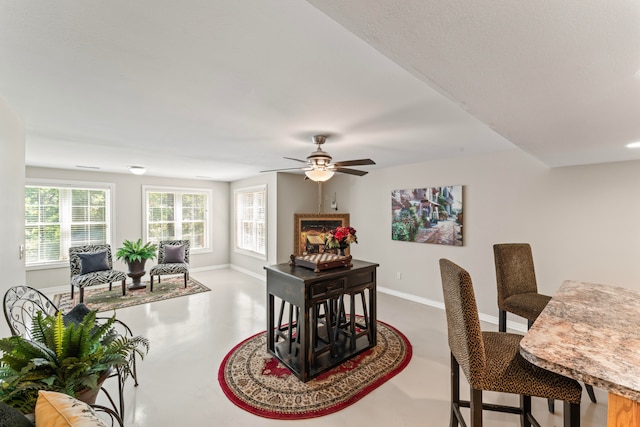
x=342, y=248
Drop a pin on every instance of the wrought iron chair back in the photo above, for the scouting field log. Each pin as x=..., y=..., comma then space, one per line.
x=109, y=416
x=21, y=303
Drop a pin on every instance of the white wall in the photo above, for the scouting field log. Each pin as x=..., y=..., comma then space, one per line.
x=11, y=196
x=129, y=217
x=582, y=222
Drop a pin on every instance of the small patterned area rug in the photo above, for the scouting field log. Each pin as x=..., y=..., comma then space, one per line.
x=102, y=299
x=256, y=382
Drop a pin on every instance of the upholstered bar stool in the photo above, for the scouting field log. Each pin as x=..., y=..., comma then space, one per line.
x=518, y=289
x=491, y=361
x=517, y=286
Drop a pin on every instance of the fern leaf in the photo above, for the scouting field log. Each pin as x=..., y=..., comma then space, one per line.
x=58, y=333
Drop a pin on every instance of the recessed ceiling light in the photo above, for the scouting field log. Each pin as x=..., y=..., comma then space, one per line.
x=633, y=145
x=137, y=170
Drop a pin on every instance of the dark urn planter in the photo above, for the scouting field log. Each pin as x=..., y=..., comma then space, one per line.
x=136, y=271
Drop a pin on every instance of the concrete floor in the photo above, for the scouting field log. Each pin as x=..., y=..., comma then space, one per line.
x=191, y=335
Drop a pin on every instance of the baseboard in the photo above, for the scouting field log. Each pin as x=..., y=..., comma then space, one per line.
x=50, y=292
x=209, y=268
x=260, y=277
x=516, y=326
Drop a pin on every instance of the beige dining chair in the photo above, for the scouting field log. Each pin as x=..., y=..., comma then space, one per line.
x=491, y=361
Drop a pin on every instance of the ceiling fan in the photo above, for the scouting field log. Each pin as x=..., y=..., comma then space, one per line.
x=319, y=166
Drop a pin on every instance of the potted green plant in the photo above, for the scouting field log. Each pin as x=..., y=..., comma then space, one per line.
x=136, y=254
x=74, y=359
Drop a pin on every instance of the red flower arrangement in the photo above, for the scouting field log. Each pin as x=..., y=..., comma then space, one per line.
x=341, y=236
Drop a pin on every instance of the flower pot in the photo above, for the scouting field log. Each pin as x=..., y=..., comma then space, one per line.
x=89, y=395
x=136, y=271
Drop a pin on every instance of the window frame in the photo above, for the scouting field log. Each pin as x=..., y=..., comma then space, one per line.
x=110, y=187
x=237, y=249
x=208, y=248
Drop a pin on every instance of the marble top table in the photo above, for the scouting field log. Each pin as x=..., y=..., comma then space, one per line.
x=591, y=332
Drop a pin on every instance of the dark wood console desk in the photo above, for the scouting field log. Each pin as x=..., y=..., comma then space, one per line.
x=305, y=289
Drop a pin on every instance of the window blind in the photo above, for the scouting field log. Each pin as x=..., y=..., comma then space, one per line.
x=57, y=218
x=250, y=207
x=177, y=215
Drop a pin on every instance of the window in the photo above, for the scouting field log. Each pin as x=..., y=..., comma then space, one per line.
x=177, y=214
x=61, y=215
x=251, y=224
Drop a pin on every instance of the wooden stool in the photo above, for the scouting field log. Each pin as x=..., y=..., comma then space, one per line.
x=286, y=331
x=321, y=344
x=350, y=328
x=290, y=332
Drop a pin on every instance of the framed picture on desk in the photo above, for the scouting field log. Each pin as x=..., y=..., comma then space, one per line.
x=310, y=231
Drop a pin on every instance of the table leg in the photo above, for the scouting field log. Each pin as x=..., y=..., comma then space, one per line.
x=373, y=316
x=305, y=342
x=270, y=323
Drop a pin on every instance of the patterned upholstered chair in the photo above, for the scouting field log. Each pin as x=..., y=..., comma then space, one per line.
x=518, y=289
x=173, y=258
x=93, y=265
x=491, y=361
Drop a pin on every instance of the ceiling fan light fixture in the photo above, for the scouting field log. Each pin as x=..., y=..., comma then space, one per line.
x=319, y=175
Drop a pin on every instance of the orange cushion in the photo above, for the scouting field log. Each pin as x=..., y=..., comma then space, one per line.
x=61, y=410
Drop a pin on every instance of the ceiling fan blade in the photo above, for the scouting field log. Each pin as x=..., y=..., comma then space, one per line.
x=297, y=160
x=285, y=169
x=361, y=162
x=351, y=171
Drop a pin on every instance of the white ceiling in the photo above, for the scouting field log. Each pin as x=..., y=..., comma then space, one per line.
x=225, y=89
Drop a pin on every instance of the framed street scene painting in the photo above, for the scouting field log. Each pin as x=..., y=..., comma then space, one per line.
x=427, y=215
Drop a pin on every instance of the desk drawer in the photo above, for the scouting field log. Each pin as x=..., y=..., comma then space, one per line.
x=363, y=278
x=326, y=290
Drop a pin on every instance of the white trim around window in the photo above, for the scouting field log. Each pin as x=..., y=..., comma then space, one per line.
x=178, y=213
x=250, y=221
x=65, y=221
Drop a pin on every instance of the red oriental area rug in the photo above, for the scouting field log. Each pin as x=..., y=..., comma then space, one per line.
x=256, y=382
